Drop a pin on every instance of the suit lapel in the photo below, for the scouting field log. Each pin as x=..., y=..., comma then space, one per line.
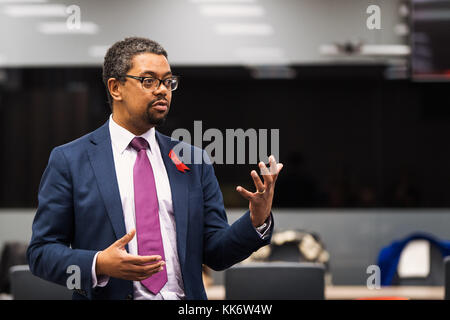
x=102, y=161
x=179, y=188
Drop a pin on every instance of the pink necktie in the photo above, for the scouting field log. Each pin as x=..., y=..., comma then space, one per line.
x=148, y=231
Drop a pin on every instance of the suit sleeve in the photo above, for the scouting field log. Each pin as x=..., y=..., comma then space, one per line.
x=226, y=245
x=49, y=253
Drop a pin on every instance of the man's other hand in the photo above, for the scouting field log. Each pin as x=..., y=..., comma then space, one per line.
x=116, y=262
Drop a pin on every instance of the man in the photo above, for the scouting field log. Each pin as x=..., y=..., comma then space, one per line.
x=116, y=202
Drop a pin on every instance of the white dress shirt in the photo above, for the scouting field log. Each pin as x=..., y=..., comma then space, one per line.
x=124, y=159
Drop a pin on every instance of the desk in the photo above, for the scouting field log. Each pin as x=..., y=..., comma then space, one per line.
x=354, y=292
x=411, y=292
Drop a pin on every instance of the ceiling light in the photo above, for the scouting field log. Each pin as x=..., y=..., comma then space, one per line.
x=232, y=10
x=223, y=1
x=254, y=29
x=386, y=50
x=38, y=10
x=365, y=50
x=21, y=1
x=62, y=28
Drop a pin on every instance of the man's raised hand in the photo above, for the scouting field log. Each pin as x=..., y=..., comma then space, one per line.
x=260, y=201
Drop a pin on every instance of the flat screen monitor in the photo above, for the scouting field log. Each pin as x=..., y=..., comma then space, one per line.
x=430, y=40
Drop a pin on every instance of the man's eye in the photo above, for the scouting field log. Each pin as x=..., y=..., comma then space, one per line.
x=149, y=81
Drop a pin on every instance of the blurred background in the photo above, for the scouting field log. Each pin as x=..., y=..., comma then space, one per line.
x=362, y=113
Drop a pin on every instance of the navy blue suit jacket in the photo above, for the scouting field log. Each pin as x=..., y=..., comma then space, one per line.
x=80, y=213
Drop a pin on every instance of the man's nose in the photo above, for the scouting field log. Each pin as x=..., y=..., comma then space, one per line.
x=161, y=90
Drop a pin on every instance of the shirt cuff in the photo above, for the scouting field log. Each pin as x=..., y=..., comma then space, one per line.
x=262, y=230
x=101, y=281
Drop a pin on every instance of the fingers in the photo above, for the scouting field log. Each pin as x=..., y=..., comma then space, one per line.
x=143, y=260
x=258, y=183
x=138, y=268
x=147, y=275
x=273, y=165
x=146, y=269
x=122, y=242
x=270, y=175
x=264, y=171
x=274, y=168
x=267, y=175
x=140, y=273
x=153, y=268
x=279, y=167
x=245, y=193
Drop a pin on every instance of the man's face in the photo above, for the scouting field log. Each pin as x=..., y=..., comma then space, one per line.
x=144, y=108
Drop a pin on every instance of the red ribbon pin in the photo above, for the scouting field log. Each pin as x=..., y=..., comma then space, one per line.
x=180, y=165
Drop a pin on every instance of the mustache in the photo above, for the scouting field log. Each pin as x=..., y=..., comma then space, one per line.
x=151, y=103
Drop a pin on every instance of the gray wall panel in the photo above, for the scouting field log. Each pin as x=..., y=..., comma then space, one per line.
x=352, y=237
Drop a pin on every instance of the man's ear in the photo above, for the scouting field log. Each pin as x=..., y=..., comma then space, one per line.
x=115, y=89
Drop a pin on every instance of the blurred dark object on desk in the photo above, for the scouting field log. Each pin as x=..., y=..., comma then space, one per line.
x=13, y=253
x=294, y=246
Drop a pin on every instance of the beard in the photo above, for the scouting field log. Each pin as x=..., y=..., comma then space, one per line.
x=155, y=118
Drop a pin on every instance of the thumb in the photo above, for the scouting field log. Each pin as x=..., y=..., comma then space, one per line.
x=125, y=239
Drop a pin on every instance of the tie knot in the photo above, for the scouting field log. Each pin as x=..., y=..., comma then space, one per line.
x=139, y=143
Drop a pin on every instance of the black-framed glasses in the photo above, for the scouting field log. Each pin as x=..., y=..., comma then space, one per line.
x=151, y=83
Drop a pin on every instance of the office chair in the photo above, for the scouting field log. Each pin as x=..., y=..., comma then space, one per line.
x=26, y=286
x=389, y=259
x=275, y=281
x=447, y=277
x=13, y=254
x=435, y=277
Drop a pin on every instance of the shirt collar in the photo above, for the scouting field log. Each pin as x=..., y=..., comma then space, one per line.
x=121, y=137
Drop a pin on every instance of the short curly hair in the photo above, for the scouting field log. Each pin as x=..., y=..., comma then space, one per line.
x=118, y=58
